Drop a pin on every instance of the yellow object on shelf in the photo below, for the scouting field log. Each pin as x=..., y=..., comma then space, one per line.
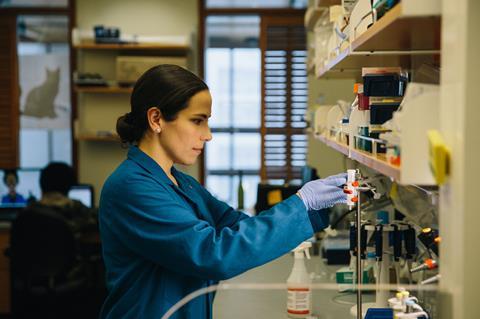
x=439, y=156
x=394, y=191
x=274, y=197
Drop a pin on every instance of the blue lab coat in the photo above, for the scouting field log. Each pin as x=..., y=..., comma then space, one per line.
x=162, y=242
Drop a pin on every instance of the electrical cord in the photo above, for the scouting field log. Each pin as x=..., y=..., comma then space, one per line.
x=335, y=223
x=365, y=206
x=336, y=299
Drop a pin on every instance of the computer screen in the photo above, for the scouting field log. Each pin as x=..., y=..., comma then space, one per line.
x=27, y=188
x=82, y=193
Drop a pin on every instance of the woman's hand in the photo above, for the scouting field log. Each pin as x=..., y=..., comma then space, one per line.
x=324, y=193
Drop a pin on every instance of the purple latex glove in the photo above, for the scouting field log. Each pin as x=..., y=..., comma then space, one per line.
x=324, y=193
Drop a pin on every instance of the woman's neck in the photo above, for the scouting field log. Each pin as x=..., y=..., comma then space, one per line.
x=152, y=148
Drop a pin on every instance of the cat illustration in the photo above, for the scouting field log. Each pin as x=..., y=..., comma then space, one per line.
x=40, y=99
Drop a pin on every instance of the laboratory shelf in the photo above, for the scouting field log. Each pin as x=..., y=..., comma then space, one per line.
x=376, y=162
x=103, y=89
x=311, y=17
x=392, y=40
x=398, y=30
x=315, y=12
x=348, y=64
x=90, y=45
x=342, y=148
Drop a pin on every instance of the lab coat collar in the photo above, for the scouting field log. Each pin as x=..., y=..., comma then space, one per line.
x=188, y=191
x=142, y=159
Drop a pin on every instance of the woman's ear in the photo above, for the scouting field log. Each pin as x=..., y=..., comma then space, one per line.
x=155, y=119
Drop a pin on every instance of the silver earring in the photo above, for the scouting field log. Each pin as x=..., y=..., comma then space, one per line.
x=157, y=130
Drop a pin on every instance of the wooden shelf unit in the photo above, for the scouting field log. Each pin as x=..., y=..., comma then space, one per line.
x=90, y=45
x=392, y=40
x=377, y=163
x=108, y=92
x=103, y=89
x=396, y=31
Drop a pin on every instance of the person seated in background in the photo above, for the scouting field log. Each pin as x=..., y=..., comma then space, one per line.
x=10, y=178
x=56, y=180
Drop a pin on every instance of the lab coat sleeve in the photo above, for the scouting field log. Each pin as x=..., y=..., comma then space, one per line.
x=226, y=216
x=223, y=214
x=168, y=232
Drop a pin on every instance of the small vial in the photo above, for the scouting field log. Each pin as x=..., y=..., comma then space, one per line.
x=350, y=189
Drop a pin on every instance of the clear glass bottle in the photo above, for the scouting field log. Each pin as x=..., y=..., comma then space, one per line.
x=240, y=200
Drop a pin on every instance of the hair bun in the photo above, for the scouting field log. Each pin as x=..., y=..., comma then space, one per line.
x=126, y=129
x=128, y=118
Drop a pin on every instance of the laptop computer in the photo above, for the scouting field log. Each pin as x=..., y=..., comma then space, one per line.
x=83, y=193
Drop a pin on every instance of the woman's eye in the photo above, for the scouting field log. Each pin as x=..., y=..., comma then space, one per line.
x=197, y=121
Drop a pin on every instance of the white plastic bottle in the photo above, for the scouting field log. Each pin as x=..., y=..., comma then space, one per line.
x=299, y=303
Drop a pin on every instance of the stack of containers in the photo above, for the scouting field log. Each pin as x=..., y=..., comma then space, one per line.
x=383, y=91
x=359, y=116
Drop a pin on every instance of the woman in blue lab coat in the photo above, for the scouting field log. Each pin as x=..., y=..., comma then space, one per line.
x=163, y=234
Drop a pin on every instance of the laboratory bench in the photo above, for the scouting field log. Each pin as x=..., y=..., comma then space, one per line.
x=271, y=303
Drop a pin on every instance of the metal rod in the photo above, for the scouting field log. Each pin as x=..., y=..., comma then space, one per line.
x=359, y=260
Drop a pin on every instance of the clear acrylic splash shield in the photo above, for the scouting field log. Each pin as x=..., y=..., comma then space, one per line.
x=329, y=300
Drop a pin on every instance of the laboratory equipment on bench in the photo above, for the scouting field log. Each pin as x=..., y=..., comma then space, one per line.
x=431, y=280
x=406, y=306
x=430, y=239
x=353, y=189
x=299, y=301
x=389, y=243
x=428, y=264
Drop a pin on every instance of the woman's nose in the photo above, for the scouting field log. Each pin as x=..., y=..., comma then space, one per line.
x=208, y=136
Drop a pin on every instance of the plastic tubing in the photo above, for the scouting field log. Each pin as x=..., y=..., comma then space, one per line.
x=280, y=286
x=412, y=315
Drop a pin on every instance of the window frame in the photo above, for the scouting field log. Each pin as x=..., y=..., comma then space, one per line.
x=12, y=14
x=204, y=13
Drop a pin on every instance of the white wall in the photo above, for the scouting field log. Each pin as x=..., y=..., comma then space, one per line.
x=460, y=115
x=143, y=17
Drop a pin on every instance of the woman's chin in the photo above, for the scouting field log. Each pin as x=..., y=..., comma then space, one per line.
x=187, y=162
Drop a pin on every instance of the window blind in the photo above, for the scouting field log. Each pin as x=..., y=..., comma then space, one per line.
x=284, y=98
x=9, y=94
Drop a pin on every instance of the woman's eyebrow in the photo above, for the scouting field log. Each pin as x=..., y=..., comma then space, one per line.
x=204, y=116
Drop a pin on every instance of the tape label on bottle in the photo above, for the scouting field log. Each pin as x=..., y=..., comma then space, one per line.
x=298, y=301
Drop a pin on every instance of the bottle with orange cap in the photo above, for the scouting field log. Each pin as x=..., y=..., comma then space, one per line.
x=351, y=188
x=430, y=238
x=427, y=264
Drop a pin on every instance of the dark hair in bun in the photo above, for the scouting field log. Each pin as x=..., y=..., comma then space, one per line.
x=166, y=86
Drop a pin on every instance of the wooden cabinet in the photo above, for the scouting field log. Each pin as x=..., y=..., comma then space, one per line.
x=4, y=269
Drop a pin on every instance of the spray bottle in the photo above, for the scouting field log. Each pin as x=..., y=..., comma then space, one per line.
x=299, y=303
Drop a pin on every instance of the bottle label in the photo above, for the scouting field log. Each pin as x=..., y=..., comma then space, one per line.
x=298, y=301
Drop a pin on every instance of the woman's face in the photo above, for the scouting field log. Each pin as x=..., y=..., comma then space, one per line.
x=184, y=138
x=11, y=182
